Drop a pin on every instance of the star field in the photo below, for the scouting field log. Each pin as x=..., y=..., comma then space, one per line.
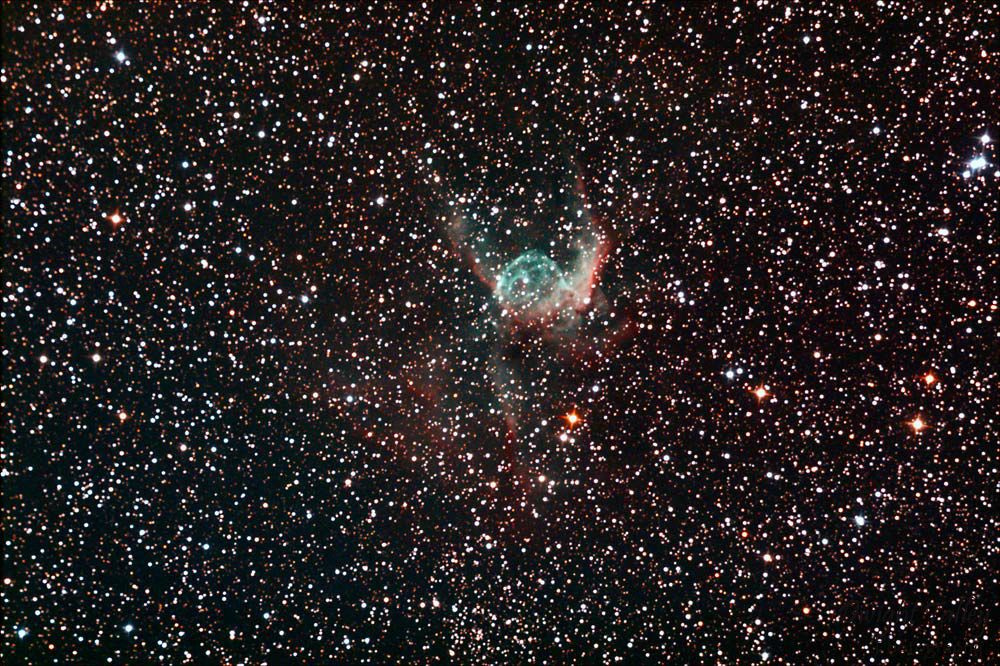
x=265, y=403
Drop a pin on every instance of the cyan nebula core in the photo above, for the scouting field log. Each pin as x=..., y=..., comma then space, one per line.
x=531, y=285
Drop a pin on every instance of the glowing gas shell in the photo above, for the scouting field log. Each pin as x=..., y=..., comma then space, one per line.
x=531, y=284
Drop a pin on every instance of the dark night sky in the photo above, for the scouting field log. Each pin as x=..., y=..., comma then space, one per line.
x=265, y=402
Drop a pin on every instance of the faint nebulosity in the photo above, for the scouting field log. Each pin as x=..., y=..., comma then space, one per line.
x=603, y=333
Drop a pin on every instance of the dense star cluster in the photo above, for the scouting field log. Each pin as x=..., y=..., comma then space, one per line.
x=264, y=401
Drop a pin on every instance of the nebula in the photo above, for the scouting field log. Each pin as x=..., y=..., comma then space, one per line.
x=548, y=313
x=531, y=285
x=543, y=272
